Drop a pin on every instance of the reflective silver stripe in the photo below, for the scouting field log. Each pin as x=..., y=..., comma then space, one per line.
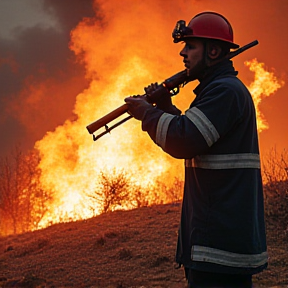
x=203, y=124
x=225, y=161
x=221, y=257
x=162, y=128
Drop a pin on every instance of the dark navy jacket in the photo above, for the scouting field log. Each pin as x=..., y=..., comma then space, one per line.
x=222, y=221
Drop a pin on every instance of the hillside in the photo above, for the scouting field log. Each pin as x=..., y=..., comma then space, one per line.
x=120, y=249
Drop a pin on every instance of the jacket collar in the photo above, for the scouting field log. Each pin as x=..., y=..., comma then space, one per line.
x=224, y=68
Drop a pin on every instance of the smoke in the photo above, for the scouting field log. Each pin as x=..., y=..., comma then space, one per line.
x=39, y=77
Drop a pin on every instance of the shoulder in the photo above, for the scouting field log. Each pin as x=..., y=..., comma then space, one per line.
x=227, y=86
x=228, y=81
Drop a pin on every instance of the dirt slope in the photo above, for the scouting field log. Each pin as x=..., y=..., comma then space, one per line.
x=120, y=249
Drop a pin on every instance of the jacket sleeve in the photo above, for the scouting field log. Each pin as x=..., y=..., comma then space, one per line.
x=207, y=120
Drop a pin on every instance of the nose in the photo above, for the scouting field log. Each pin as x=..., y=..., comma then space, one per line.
x=183, y=52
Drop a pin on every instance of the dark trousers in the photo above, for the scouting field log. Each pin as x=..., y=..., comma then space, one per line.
x=199, y=279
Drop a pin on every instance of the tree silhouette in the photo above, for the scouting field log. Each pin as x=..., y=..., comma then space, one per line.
x=113, y=192
x=22, y=200
x=275, y=178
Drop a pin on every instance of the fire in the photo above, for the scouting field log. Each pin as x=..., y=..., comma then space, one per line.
x=117, y=66
x=264, y=85
x=71, y=161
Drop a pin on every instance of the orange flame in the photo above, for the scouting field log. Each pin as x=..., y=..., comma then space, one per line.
x=264, y=85
x=71, y=161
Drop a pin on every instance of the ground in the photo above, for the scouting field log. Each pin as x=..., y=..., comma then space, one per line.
x=118, y=250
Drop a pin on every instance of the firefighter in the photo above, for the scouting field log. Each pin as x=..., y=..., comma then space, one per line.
x=221, y=239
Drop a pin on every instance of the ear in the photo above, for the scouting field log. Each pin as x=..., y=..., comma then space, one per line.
x=214, y=51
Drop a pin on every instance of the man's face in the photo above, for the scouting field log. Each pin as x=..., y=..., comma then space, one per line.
x=193, y=57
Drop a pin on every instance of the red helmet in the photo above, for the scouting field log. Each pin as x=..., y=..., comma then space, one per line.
x=208, y=25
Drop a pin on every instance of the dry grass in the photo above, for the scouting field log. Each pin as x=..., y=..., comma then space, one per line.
x=118, y=249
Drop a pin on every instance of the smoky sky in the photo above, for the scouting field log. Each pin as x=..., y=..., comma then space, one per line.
x=36, y=54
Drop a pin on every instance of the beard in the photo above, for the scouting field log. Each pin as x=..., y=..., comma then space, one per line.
x=197, y=71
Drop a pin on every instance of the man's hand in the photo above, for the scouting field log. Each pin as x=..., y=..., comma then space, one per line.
x=164, y=102
x=137, y=106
